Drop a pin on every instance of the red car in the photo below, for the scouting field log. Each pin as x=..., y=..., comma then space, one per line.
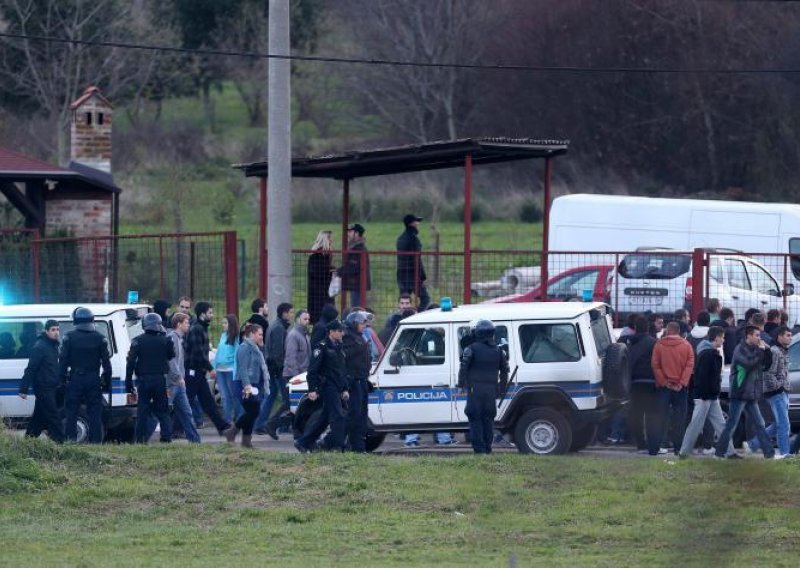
x=569, y=285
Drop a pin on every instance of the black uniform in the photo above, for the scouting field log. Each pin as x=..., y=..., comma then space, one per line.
x=357, y=363
x=83, y=352
x=481, y=365
x=327, y=376
x=42, y=374
x=148, y=358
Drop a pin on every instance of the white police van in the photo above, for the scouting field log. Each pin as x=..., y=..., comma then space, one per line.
x=567, y=374
x=21, y=325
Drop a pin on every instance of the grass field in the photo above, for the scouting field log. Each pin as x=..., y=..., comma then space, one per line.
x=214, y=506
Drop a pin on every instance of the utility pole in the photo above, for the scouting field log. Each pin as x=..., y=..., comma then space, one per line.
x=279, y=157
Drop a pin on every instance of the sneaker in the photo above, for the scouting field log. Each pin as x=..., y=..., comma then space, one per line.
x=301, y=448
x=611, y=440
x=411, y=444
x=503, y=443
x=709, y=451
x=450, y=442
x=779, y=456
x=271, y=432
x=747, y=449
x=734, y=456
x=261, y=432
x=662, y=451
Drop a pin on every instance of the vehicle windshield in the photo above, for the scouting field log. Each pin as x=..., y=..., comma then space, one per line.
x=658, y=266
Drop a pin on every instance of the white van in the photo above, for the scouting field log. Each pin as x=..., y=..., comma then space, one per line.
x=567, y=374
x=20, y=325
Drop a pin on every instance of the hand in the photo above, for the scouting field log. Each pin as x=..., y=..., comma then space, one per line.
x=212, y=373
x=22, y=395
x=345, y=396
x=248, y=390
x=313, y=395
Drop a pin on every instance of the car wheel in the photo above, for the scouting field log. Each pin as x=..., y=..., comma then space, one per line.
x=617, y=371
x=122, y=434
x=543, y=431
x=582, y=437
x=82, y=429
x=374, y=440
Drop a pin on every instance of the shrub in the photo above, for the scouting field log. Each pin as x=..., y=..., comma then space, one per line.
x=530, y=212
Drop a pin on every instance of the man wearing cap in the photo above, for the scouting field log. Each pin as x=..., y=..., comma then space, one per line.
x=410, y=272
x=42, y=374
x=327, y=379
x=356, y=259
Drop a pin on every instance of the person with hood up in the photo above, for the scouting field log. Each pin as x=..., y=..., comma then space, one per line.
x=320, y=331
x=706, y=385
x=727, y=321
x=673, y=362
x=750, y=358
x=700, y=330
x=643, y=381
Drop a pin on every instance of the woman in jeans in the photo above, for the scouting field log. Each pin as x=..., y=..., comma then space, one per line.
x=251, y=382
x=225, y=365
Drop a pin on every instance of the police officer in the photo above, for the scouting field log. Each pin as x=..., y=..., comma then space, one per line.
x=481, y=364
x=149, y=358
x=83, y=352
x=42, y=374
x=357, y=365
x=327, y=380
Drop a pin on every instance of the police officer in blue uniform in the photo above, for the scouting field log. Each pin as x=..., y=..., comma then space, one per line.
x=357, y=363
x=484, y=374
x=327, y=380
x=83, y=352
x=149, y=358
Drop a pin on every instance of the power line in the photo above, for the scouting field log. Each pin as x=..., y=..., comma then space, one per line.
x=398, y=63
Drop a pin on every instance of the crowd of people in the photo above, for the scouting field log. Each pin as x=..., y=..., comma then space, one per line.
x=677, y=371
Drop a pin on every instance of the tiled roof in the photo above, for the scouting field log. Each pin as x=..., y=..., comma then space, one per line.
x=14, y=162
x=87, y=94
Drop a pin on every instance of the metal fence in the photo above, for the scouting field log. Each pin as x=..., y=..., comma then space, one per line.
x=18, y=276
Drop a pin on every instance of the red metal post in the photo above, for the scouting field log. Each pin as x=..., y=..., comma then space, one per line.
x=546, y=227
x=231, y=272
x=467, y=229
x=698, y=291
x=262, y=240
x=35, y=252
x=345, y=223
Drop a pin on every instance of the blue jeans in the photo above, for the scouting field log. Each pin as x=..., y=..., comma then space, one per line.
x=183, y=412
x=438, y=437
x=231, y=404
x=780, y=428
x=754, y=416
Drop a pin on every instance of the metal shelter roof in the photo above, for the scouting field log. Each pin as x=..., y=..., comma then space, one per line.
x=418, y=157
x=19, y=167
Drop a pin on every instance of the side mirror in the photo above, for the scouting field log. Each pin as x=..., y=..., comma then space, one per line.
x=789, y=290
x=395, y=360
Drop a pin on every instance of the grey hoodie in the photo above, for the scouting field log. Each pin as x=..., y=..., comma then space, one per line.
x=176, y=368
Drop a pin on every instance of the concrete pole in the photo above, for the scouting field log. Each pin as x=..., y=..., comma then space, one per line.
x=279, y=156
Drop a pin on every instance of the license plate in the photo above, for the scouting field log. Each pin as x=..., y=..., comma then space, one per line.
x=648, y=300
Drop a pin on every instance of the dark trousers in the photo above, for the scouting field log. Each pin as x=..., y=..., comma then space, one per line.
x=642, y=411
x=84, y=389
x=481, y=411
x=357, y=415
x=670, y=409
x=197, y=388
x=46, y=416
x=251, y=406
x=334, y=415
x=152, y=399
x=281, y=384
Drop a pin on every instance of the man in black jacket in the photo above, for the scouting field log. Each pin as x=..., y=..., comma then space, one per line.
x=198, y=364
x=357, y=363
x=83, y=352
x=410, y=272
x=327, y=379
x=706, y=384
x=42, y=374
x=643, y=387
x=149, y=358
x=727, y=321
x=356, y=263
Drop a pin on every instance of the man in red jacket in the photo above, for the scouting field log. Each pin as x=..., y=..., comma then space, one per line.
x=673, y=362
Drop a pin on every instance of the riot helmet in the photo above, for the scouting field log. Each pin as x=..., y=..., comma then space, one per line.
x=83, y=319
x=483, y=330
x=354, y=318
x=152, y=322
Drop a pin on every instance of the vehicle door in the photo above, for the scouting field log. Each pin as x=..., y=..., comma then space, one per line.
x=464, y=339
x=766, y=290
x=415, y=380
x=741, y=291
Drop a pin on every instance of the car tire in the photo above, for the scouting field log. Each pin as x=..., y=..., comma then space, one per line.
x=125, y=434
x=543, y=431
x=617, y=372
x=582, y=437
x=374, y=440
x=83, y=429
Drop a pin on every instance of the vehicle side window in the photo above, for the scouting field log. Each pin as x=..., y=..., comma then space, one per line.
x=549, y=343
x=66, y=326
x=17, y=338
x=794, y=357
x=716, y=270
x=602, y=337
x=763, y=282
x=420, y=346
x=573, y=285
x=737, y=275
x=500, y=338
x=794, y=250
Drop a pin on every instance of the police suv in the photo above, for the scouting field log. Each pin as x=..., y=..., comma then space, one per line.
x=20, y=325
x=567, y=374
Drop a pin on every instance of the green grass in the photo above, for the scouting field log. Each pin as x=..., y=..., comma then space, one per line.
x=178, y=505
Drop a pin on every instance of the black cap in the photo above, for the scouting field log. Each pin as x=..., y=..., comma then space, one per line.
x=50, y=323
x=357, y=228
x=408, y=219
x=334, y=325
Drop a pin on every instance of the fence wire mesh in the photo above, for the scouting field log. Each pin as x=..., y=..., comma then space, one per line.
x=18, y=260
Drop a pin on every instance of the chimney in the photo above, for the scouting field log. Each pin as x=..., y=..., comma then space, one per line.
x=90, y=131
